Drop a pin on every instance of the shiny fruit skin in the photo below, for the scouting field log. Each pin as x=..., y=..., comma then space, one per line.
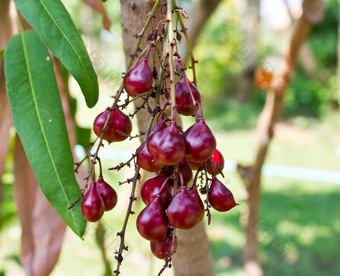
x=138, y=80
x=146, y=161
x=107, y=193
x=167, y=145
x=220, y=197
x=184, y=99
x=194, y=194
x=183, y=212
x=151, y=188
x=118, y=121
x=162, y=250
x=200, y=142
x=152, y=223
x=92, y=205
x=217, y=157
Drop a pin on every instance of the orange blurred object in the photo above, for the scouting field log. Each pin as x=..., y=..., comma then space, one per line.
x=263, y=78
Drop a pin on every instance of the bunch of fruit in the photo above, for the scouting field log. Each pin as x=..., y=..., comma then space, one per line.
x=172, y=199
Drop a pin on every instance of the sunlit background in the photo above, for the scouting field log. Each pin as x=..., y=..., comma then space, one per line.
x=299, y=226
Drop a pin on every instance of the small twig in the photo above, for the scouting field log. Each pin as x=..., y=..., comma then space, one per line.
x=170, y=52
x=193, y=61
x=121, y=165
x=206, y=201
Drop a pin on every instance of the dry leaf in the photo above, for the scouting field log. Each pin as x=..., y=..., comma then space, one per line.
x=5, y=112
x=42, y=228
x=98, y=6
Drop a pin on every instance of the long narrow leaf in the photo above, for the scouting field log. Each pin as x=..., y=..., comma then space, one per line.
x=52, y=22
x=39, y=119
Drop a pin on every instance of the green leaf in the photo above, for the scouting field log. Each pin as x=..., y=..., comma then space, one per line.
x=39, y=119
x=52, y=22
x=83, y=136
x=2, y=53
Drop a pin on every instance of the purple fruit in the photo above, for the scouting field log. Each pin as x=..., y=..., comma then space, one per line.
x=118, y=125
x=151, y=188
x=107, y=193
x=152, y=223
x=167, y=145
x=138, y=80
x=220, y=197
x=183, y=212
x=92, y=205
x=200, y=142
x=162, y=250
x=183, y=97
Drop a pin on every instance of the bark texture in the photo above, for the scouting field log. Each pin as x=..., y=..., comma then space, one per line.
x=193, y=255
x=265, y=128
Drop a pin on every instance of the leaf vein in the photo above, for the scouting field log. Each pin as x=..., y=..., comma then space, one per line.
x=40, y=123
x=68, y=41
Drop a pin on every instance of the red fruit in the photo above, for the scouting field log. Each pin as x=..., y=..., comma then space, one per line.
x=167, y=145
x=151, y=188
x=118, y=123
x=183, y=212
x=92, y=205
x=152, y=223
x=217, y=157
x=144, y=158
x=184, y=168
x=184, y=99
x=146, y=161
x=194, y=194
x=107, y=193
x=220, y=197
x=162, y=250
x=138, y=80
x=200, y=142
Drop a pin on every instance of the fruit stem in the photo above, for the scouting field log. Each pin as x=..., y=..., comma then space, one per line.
x=93, y=170
x=170, y=51
x=122, y=246
x=141, y=33
x=193, y=61
x=207, y=193
x=182, y=179
x=195, y=178
x=148, y=51
x=211, y=168
x=100, y=168
x=201, y=111
x=180, y=64
x=163, y=185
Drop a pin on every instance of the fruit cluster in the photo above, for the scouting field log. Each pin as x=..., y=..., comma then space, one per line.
x=172, y=195
x=172, y=155
x=99, y=198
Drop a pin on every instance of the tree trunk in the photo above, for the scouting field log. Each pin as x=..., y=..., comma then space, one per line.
x=193, y=254
x=249, y=17
x=266, y=122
